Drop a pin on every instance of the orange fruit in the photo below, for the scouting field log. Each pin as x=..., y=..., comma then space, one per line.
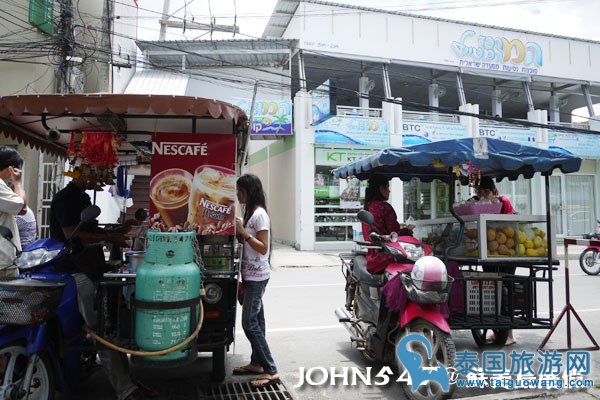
x=502, y=249
x=472, y=233
x=501, y=237
x=510, y=243
x=493, y=245
x=491, y=234
x=509, y=231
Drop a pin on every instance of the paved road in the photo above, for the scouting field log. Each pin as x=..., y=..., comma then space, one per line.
x=303, y=332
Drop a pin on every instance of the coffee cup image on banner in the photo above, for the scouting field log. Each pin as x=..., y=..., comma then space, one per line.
x=170, y=192
x=212, y=201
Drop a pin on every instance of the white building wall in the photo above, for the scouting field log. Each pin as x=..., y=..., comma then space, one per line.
x=228, y=84
x=422, y=40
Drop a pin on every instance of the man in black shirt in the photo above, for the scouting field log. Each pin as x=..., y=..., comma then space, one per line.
x=87, y=266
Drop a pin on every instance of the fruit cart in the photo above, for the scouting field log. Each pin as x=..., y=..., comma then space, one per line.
x=472, y=241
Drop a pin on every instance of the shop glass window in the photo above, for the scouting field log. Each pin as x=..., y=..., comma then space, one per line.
x=424, y=200
x=579, y=204
x=336, y=203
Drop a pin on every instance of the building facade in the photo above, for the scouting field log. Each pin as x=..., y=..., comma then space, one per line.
x=362, y=79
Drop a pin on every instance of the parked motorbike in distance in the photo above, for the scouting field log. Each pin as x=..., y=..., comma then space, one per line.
x=376, y=330
x=589, y=260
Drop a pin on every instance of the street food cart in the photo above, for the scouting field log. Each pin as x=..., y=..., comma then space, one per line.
x=472, y=238
x=187, y=141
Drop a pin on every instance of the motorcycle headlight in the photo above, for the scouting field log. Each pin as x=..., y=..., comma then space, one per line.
x=413, y=251
x=213, y=293
x=33, y=258
x=394, y=251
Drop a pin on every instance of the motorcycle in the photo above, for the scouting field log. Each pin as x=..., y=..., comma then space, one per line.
x=42, y=344
x=589, y=260
x=377, y=330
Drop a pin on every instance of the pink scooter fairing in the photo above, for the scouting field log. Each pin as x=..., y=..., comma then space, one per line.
x=401, y=249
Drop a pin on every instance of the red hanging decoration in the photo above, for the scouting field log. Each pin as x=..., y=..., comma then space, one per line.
x=96, y=157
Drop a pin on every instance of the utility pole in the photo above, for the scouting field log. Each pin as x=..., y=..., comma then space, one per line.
x=165, y=23
x=66, y=42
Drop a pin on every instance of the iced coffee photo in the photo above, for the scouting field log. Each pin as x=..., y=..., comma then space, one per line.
x=170, y=192
x=212, y=201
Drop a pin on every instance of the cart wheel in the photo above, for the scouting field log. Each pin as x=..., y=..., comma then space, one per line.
x=589, y=261
x=480, y=337
x=218, y=364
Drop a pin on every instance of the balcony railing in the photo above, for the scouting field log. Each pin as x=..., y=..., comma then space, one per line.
x=578, y=125
x=430, y=117
x=348, y=111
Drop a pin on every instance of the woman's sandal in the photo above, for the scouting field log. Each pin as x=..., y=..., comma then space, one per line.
x=246, y=370
x=265, y=380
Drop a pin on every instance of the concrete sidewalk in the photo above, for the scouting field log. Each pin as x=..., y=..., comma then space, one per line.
x=286, y=256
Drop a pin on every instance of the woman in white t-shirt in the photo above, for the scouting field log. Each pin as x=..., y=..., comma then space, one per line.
x=255, y=232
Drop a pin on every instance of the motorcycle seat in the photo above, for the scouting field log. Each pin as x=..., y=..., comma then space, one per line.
x=362, y=275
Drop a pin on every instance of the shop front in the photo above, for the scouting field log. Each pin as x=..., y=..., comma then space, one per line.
x=339, y=141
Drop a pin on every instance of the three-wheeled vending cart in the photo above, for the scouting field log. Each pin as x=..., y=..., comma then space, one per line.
x=480, y=246
x=190, y=150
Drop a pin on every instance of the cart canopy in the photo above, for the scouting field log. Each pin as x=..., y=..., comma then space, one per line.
x=493, y=157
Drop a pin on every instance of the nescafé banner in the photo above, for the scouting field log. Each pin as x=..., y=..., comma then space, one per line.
x=192, y=183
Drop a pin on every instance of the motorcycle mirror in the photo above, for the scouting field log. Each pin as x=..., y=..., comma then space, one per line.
x=89, y=214
x=365, y=217
x=374, y=237
x=6, y=233
x=393, y=237
x=140, y=214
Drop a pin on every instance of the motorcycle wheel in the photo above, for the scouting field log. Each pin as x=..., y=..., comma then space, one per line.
x=13, y=364
x=443, y=352
x=589, y=262
x=480, y=337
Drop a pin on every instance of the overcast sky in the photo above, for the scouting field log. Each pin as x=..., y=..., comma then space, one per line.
x=576, y=18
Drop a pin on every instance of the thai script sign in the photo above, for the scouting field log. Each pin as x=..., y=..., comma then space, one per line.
x=578, y=144
x=498, y=53
x=425, y=132
x=514, y=135
x=353, y=131
x=270, y=117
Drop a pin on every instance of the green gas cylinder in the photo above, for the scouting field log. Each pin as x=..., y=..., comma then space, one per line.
x=167, y=275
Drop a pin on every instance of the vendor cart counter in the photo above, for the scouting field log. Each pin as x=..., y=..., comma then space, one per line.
x=495, y=298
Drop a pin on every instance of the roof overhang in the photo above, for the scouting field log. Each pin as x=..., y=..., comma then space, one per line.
x=222, y=53
x=28, y=118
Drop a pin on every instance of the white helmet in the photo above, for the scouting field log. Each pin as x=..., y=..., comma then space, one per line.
x=429, y=273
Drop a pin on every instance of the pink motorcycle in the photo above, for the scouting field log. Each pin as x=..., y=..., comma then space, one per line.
x=589, y=260
x=381, y=309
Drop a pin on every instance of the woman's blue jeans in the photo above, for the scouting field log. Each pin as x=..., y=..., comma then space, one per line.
x=253, y=322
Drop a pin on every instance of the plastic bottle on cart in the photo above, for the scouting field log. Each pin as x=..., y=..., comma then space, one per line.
x=168, y=274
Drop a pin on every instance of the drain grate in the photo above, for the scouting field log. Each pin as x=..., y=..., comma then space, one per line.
x=243, y=390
